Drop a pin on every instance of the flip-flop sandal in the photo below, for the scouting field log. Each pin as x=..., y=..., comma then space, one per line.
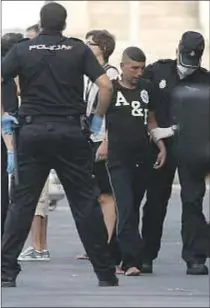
x=119, y=271
x=83, y=257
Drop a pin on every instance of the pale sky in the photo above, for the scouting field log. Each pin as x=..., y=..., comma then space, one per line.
x=20, y=14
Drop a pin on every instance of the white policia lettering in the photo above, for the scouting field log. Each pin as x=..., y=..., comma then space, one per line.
x=136, y=110
x=51, y=47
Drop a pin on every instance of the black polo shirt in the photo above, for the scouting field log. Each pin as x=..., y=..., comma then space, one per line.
x=127, y=117
x=51, y=69
x=165, y=79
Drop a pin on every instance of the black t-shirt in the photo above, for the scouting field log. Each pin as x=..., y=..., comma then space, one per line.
x=165, y=80
x=127, y=117
x=51, y=69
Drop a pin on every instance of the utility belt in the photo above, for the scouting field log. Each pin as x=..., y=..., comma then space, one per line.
x=80, y=120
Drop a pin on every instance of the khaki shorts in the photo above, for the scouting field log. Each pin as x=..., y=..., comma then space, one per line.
x=43, y=204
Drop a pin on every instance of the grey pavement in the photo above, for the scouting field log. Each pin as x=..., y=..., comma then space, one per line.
x=67, y=282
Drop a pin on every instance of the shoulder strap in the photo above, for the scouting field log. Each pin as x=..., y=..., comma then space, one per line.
x=107, y=66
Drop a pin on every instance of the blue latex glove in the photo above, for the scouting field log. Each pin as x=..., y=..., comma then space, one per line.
x=7, y=121
x=10, y=162
x=96, y=124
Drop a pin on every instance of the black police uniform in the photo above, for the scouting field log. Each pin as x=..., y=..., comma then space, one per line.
x=190, y=111
x=10, y=104
x=50, y=69
x=165, y=79
x=127, y=157
x=4, y=185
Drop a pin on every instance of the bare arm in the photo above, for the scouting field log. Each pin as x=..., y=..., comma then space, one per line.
x=152, y=124
x=104, y=95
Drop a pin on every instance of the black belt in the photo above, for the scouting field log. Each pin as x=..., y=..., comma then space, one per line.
x=81, y=120
x=49, y=118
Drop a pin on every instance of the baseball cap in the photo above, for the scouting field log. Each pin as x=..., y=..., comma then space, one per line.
x=191, y=47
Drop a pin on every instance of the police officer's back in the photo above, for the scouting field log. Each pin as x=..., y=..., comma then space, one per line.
x=52, y=136
x=51, y=69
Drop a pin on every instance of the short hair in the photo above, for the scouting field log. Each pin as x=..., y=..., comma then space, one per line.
x=34, y=28
x=53, y=16
x=134, y=54
x=8, y=40
x=105, y=41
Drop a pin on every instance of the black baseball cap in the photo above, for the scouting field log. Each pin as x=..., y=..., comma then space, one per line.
x=191, y=47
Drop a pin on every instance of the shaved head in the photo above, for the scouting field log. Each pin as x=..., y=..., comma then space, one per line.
x=132, y=65
x=133, y=54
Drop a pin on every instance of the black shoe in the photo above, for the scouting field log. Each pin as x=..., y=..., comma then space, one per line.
x=197, y=269
x=109, y=283
x=7, y=282
x=147, y=267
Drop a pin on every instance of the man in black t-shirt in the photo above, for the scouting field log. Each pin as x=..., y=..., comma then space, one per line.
x=53, y=135
x=130, y=112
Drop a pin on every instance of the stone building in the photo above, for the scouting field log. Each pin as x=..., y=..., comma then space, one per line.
x=154, y=26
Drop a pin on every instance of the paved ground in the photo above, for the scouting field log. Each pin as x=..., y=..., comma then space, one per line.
x=66, y=282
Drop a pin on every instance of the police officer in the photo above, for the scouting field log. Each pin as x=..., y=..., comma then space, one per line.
x=10, y=104
x=52, y=135
x=166, y=76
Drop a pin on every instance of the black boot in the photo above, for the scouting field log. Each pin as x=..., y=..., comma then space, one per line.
x=112, y=282
x=147, y=267
x=8, y=278
x=7, y=282
x=197, y=269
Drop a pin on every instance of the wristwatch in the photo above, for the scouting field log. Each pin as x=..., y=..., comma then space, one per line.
x=174, y=128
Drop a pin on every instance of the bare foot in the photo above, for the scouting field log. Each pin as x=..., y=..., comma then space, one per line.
x=132, y=271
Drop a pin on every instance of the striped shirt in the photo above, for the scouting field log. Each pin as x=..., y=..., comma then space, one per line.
x=91, y=98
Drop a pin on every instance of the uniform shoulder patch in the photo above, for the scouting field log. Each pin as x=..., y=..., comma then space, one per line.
x=144, y=96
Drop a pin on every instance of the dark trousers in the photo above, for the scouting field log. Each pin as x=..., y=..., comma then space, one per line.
x=56, y=143
x=4, y=185
x=12, y=187
x=195, y=230
x=157, y=196
x=128, y=181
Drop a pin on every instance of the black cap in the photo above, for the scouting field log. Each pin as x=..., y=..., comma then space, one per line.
x=191, y=48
